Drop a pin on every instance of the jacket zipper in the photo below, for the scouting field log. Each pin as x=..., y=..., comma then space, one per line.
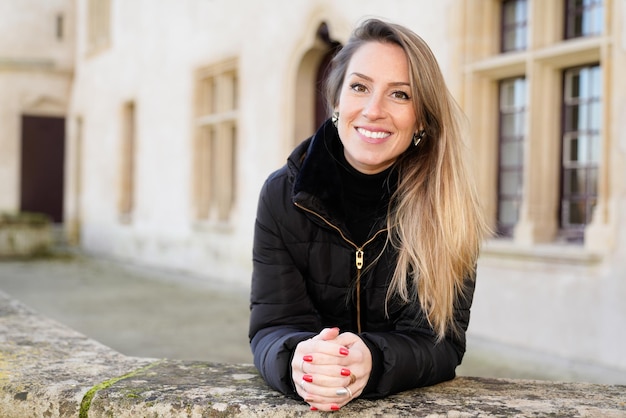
x=358, y=259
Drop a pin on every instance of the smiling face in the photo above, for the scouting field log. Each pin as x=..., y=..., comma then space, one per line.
x=376, y=111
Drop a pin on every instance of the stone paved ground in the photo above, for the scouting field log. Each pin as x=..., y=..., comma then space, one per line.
x=137, y=311
x=146, y=312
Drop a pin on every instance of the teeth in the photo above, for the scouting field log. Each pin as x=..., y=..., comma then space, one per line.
x=376, y=135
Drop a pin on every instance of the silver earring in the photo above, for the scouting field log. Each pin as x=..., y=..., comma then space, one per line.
x=335, y=118
x=417, y=137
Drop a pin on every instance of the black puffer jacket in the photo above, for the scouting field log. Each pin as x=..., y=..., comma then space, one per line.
x=308, y=274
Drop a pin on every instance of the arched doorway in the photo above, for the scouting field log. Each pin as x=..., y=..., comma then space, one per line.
x=321, y=106
x=310, y=102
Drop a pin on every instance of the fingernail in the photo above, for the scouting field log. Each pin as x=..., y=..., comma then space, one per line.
x=307, y=378
x=344, y=351
x=307, y=358
x=342, y=392
x=345, y=372
x=313, y=408
x=335, y=328
x=334, y=407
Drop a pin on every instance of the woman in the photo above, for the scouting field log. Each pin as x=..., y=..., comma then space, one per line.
x=366, y=241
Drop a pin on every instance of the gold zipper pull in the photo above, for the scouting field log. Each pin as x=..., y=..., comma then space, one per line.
x=359, y=259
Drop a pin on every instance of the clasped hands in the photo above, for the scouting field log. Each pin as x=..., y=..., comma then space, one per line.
x=331, y=369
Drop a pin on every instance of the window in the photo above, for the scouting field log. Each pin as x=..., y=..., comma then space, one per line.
x=581, y=148
x=583, y=18
x=98, y=24
x=540, y=126
x=216, y=142
x=127, y=164
x=514, y=25
x=511, y=152
x=59, y=27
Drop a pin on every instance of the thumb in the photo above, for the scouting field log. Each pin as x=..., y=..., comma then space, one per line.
x=328, y=334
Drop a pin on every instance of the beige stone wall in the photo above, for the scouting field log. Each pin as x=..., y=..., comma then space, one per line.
x=152, y=60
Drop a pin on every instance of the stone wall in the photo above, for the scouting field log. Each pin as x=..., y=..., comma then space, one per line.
x=49, y=370
x=24, y=235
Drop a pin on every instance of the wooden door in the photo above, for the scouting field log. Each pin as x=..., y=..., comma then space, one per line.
x=42, y=162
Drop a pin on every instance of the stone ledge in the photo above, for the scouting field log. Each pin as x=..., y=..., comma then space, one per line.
x=49, y=370
x=24, y=235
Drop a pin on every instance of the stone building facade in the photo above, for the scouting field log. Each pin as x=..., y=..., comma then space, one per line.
x=175, y=112
x=36, y=73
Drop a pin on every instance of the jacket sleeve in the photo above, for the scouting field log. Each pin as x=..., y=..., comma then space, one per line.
x=410, y=356
x=281, y=313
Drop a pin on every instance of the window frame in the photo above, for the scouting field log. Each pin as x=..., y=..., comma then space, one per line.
x=587, y=9
x=504, y=229
x=574, y=232
x=215, y=148
x=548, y=54
x=98, y=25
x=513, y=27
x=128, y=162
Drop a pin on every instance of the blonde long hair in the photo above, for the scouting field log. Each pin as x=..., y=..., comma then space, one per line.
x=435, y=220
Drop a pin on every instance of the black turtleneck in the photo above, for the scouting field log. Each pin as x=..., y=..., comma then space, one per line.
x=365, y=198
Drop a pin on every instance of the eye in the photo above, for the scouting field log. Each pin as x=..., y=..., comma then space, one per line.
x=400, y=95
x=358, y=87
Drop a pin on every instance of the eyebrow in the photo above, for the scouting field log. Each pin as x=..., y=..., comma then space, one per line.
x=396, y=83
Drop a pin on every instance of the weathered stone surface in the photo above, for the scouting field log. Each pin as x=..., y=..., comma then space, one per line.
x=184, y=389
x=24, y=239
x=48, y=370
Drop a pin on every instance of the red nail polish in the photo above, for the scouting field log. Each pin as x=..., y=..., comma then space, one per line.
x=307, y=378
x=307, y=358
x=334, y=407
x=344, y=351
x=313, y=408
x=345, y=372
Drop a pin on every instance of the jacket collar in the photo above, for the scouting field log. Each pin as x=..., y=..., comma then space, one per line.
x=316, y=174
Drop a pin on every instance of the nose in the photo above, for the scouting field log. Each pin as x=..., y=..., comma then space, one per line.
x=374, y=107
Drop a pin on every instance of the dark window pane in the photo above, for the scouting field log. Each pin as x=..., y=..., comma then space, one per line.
x=514, y=25
x=576, y=213
x=573, y=150
x=574, y=183
x=592, y=183
x=511, y=160
x=513, y=124
x=508, y=212
x=583, y=18
x=572, y=85
x=510, y=183
x=571, y=118
x=581, y=142
x=511, y=154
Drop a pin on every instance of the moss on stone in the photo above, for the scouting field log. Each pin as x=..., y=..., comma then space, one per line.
x=24, y=218
x=86, y=402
